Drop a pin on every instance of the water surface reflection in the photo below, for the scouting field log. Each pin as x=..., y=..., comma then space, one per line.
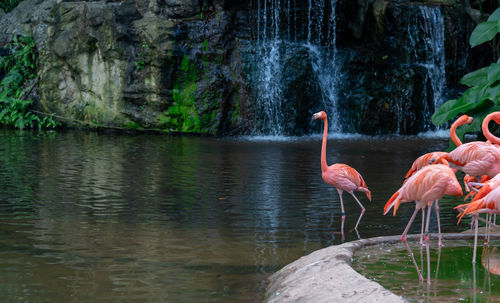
x=152, y=218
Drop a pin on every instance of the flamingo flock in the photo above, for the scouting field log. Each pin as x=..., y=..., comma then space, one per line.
x=431, y=177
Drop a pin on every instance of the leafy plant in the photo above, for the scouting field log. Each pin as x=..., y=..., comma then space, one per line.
x=483, y=94
x=8, y=5
x=18, y=70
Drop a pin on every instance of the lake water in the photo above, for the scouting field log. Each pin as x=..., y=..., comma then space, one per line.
x=88, y=217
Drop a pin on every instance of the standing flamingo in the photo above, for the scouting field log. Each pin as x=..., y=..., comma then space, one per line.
x=430, y=158
x=489, y=204
x=341, y=176
x=495, y=116
x=475, y=159
x=424, y=187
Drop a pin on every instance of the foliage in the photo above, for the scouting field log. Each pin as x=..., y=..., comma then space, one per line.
x=140, y=63
x=18, y=70
x=483, y=95
x=8, y=5
x=182, y=115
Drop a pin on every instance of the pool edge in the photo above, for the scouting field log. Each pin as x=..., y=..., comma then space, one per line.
x=326, y=275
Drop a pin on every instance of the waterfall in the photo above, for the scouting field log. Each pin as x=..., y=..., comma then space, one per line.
x=286, y=29
x=426, y=47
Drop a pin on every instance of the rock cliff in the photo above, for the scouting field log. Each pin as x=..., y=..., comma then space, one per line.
x=179, y=65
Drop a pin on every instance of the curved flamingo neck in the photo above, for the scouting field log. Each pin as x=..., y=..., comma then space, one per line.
x=464, y=119
x=453, y=133
x=486, y=132
x=324, y=166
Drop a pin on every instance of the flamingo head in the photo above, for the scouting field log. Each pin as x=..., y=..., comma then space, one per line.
x=469, y=119
x=319, y=115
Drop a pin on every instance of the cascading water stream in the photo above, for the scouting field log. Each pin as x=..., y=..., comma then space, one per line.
x=283, y=28
x=426, y=49
x=296, y=70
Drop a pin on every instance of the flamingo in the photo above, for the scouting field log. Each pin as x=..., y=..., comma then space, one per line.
x=430, y=183
x=430, y=158
x=489, y=204
x=484, y=157
x=475, y=159
x=495, y=116
x=341, y=176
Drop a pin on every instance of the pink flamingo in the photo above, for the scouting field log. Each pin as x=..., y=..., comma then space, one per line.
x=430, y=158
x=489, y=204
x=341, y=176
x=430, y=183
x=495, y=116
x=475, y=159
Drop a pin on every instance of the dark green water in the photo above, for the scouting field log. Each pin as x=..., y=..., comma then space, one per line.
x=155, y=218
x=454, y=278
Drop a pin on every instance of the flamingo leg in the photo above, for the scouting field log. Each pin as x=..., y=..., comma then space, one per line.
x=440, y=243
x=362, y=211
x=474, y=218
x=438, y=261
x=423, y=226
x=487, y=227
x=343, y=214
x=426, y=237
x=410, y=252
x=403, y=236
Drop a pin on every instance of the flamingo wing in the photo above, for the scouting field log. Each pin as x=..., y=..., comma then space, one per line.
x=344, y=177
x=423, y=161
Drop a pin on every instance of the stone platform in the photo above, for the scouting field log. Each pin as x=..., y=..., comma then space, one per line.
x=327, y=276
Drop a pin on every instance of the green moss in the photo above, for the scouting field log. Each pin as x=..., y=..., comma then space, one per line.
x=185, y=113
x=182, y=115
x=185, y=64
x=236, y=113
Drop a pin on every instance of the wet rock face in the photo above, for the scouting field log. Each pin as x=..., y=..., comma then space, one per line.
x=156, y=64
x=182, y=65
x=386, y=66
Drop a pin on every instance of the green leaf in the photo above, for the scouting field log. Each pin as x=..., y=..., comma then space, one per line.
x=493, y=72
x=495, y=16
x=475, y=98
x=450, y=109
x=483, y=32
x=476, y=78
x=493, y=93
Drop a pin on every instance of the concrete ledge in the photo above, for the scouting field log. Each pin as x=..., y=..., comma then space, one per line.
x=326, y=275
